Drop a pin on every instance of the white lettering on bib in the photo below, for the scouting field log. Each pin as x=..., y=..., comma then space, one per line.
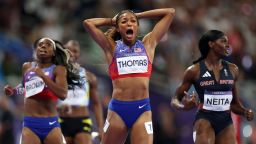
x=132, y=64
x=34, y=86
x=78, y=97
x=217, y=101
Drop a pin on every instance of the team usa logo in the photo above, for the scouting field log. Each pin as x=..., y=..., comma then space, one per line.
x=137, y=50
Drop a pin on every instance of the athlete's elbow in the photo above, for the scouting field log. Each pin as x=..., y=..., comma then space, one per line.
x=87, y=23
x=63, y=95
x=171, y=11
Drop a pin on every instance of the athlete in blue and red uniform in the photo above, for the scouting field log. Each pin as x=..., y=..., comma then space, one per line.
x=44, y=82
x=215, y=82
x=130, y=64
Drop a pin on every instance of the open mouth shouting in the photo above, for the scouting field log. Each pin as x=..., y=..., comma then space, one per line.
x=129, y=33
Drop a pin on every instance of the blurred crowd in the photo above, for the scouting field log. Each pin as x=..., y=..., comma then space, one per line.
x=24, y=21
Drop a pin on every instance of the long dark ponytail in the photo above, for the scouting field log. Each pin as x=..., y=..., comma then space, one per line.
x=203, y=45
x=62, y=57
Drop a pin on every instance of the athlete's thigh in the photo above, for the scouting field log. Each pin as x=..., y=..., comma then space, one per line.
x=55, y=136
x=69, y=140
x=226, y=136
x=114, y=130
x=203, y=132
x=83, y=138
x=29, y=137
x=142, y=129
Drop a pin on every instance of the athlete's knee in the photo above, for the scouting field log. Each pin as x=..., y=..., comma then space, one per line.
x=202, y=138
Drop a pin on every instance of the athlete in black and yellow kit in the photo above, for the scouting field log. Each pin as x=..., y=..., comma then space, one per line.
x=215, y=82
x=75, y=121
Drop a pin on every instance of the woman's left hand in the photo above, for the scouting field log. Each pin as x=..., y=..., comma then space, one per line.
x=190, y=100
x=249, y=114
x=38, y=71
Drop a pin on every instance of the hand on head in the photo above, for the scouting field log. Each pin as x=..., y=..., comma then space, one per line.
x=113, y=20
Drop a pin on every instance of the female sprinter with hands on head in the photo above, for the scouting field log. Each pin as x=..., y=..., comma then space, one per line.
x=130, y=64
x=215, y=82
x=75, y=120
x=44, y=81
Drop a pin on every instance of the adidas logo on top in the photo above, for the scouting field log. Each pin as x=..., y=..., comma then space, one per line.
x=206, y=74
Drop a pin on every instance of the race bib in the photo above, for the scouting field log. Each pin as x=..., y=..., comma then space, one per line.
x=217, y=101
x=20, y=89
x=34, y=86
x=133, y=64
x=77, y=97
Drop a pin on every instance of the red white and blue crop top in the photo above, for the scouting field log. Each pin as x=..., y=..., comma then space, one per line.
x=35, y=86
x=130, y=61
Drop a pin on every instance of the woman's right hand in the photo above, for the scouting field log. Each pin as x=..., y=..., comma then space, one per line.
x=189, y=101
x=8, y=90
x=113, y=20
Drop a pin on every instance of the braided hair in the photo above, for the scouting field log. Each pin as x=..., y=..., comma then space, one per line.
x=62, y=57
x=204, y=47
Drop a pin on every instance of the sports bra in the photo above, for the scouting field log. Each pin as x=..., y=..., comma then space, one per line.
x=35, y=86
x=130, y=61
x=214, y=95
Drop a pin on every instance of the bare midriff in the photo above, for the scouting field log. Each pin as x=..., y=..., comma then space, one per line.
x=40, y=108
x=131, y=88
x=76, y=111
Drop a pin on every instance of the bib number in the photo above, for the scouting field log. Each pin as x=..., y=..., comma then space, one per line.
x=217, y=101
x=77, y=97
x=34, y=86
x=133, y=64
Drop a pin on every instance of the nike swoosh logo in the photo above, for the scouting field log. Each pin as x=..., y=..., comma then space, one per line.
x=142, y=106
x=51, y=123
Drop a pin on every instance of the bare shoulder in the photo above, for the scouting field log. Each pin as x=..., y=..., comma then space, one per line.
x=192, y=72
x=232, y=66
x=193, y=69
x=60, y=69
x=26, y=66
x=233, y=69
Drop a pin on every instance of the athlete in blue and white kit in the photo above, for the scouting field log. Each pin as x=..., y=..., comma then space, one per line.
x=130, y=64
x=215, y=82
x=75, y=120
x=44, y=82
